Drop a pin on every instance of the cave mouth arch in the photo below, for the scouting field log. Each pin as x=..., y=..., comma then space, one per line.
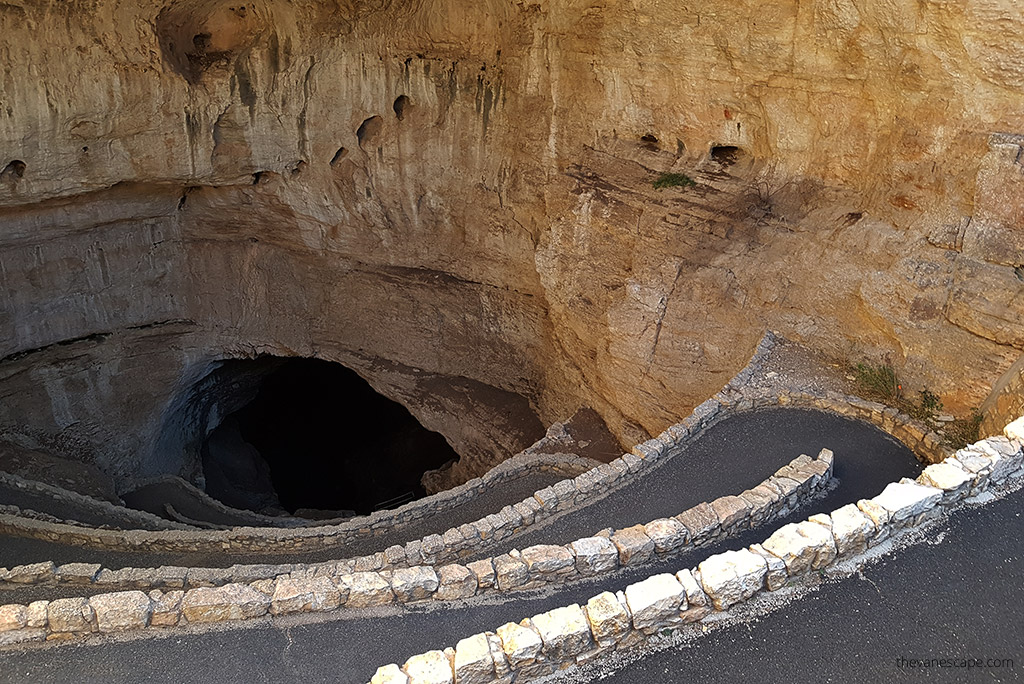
x=312, y=434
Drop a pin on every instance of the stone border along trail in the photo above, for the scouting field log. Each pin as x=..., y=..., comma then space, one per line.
x=466, y=540
x=225, y=607
x=537, y=566
x=724, y=460
x=573, y=634
x=731, y=397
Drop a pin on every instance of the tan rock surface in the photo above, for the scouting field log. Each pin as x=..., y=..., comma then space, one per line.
x=190, y=184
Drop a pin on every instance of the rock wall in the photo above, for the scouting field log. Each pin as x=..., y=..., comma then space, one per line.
x=1006, y=402
x=455, y=199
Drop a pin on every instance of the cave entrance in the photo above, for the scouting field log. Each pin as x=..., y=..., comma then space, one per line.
x=315, y=435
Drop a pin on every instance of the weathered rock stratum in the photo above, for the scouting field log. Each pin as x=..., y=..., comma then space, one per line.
x=455, y=199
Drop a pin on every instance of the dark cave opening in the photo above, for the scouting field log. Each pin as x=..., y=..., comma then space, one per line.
x=317, y=436
x=726, y=155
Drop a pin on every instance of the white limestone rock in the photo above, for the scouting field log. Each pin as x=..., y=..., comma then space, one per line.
x=369, y=589
x=695, y=595
x=455, y=582
x=974, y=461
x=852, y=530
x=432, y=667
x=954, y=481
x=732, y=576
x=122, y=610
x=414, y=584
x=520, y=643
x=595, y=555
x=13, y=616
x=906, y=501
x=501, y=667
x=304, y=595
x=655, y=602
x=668, y=535
x=547, y=561
x=795, y=550
x=609, y=620
x=1005, y=457
x=389, y=674
x=473, y=663
x=70, y=615
x=1014, y=432
x=564, y=632
x=777, y=576
x=221, y=604
x=879, y=518
x=822, y=542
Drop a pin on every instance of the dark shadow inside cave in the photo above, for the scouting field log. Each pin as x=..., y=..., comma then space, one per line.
x=318, y=436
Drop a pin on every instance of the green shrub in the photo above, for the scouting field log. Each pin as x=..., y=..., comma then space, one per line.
x=964, y=431
x=882, y=384
x=879, y=382
x=927, y=407
x=673, y=180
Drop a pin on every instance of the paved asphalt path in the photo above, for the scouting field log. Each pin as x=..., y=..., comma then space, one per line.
x=733, y=455
x=347, y=650
x=90, y=515
x=154, y=496
x=959, y=596
x=737, y=454
x=956, y=596
x=21, y=551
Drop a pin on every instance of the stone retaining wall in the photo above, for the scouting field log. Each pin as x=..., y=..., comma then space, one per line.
x=249, y=518
x=329, y=586
x=128, y=516
x=268, y=540
x=474, y=538
x=560, y=638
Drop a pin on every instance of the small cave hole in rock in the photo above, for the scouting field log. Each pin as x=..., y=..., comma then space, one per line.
x=400, y=106
x=339, y=156
x=316, y=435
x=262, y=177
x=369, y=130
x=726, y=155
x=649, y=138
x=15, y=169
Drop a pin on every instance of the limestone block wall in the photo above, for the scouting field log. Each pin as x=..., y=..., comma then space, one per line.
x=469, y=539
x=539, y=645
x=329, y=586
x=571, y=634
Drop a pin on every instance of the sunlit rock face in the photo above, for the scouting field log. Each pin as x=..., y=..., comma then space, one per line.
x=455, y=199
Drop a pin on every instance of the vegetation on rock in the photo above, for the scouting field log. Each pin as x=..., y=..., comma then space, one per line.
x=673, y=180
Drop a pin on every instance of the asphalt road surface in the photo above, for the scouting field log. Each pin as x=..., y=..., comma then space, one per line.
x=349, y=647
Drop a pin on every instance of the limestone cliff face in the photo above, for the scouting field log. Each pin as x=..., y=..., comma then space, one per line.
x=455, y=199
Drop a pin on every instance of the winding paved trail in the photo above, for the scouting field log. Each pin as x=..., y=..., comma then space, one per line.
x=731, y=456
